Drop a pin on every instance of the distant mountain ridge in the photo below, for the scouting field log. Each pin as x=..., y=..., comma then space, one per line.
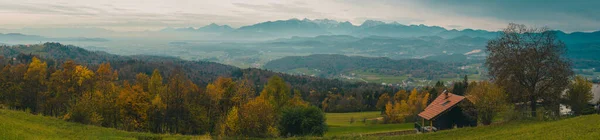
x=213, y=27
x=316, y=27
x=310, y=28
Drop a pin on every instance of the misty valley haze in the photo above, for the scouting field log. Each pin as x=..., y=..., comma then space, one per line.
x=257, y=44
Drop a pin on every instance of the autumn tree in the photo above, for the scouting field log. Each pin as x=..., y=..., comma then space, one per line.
x=258, y=117
x=276, y=92
x=488, y=99
x=529, y=64
x=383, y=100
x=156, y=114
x=244, y=91
x=578, y=95
x=297, y=100
x=231, y=125
x=143, y=81
x=400, y=95
x=85, y=109
x=156, y=85
x=133, y=103
x=157, y=91
x=105, y=94
x=12, y=85
x=219, y=94
x=35, y=81
x=408, y=108
x=63, y=87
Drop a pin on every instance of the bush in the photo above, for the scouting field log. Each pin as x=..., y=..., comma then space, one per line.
x=302, y=121
x=588, y=110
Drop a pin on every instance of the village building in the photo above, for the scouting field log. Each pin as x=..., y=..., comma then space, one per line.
x=445, y=112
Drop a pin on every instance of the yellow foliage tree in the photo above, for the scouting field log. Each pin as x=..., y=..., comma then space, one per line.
x=134, y=104
x=488, y=99
x=35, y=79
x=297, y=100
x=232, y=123
x=382, y=101
x=257, y=119
x=400, y=95
x=36, y=71
x=578, y=95
x=83, y=74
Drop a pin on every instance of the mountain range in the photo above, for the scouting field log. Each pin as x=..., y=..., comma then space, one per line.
x=310, y=28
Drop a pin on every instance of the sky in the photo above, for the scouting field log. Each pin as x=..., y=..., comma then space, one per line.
x=137, y=15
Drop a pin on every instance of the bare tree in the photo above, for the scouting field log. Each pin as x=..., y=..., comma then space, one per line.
x=528, y=64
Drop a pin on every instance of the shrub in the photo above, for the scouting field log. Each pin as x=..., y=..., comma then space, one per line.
x=302, y=121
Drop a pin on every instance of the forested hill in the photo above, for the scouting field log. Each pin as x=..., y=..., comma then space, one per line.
x=200, y=72
x=345, y=96
x=329, y=65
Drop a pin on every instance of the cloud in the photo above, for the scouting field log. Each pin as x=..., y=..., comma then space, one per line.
x=575, y=15
x=572, y=15
x=298, y=8
x=455, y=26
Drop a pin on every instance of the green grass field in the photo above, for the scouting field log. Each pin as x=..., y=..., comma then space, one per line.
x=20, y=125
x=379, y=78
x=579, y=128
x=343, y=119
x=364, y=123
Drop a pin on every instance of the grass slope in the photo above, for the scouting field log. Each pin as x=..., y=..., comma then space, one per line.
x=583, y=127
x=21, y=125
x=339, y=124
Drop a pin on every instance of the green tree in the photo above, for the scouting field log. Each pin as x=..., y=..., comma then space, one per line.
x=303, y=121
x=578, y=95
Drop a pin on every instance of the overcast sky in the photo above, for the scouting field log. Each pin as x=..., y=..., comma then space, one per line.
x=127, y=15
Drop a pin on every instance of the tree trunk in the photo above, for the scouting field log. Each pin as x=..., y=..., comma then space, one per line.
x=533, y=105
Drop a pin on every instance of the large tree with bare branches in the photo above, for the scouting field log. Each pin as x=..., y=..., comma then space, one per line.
x=529, y=64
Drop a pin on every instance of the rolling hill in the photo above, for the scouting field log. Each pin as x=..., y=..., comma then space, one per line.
x=582, y=127
x=313, y=89
x=21, y=125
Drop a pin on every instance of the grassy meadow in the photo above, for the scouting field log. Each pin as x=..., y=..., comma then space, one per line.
x=22, y=125
x=578, y=128
x=16, y=125
x=364, y=123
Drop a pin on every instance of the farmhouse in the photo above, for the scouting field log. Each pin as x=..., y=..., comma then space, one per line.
x=445, y=112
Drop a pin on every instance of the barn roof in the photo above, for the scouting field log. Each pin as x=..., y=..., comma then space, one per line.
x=443, y=102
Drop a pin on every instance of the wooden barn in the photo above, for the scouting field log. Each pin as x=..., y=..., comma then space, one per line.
x=445, y=112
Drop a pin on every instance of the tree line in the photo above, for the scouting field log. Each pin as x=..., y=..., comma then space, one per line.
x=341, y=96
x=153, y=103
